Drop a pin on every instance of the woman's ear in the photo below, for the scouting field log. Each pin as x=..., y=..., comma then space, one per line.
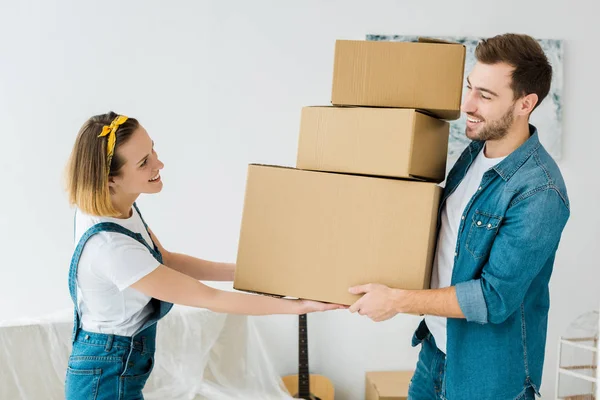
x=112, y=184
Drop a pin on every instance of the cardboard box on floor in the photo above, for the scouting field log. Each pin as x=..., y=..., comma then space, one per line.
x=387, y=385
x=313, y=235
x=389, y=142
x=427, y=75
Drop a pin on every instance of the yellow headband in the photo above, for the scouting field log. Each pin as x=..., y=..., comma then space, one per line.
x=111, y=131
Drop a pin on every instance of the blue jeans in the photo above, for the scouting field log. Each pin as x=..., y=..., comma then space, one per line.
x=110, y=367
x=429, y=379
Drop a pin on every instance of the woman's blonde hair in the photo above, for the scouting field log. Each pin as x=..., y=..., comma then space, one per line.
x=88, y=171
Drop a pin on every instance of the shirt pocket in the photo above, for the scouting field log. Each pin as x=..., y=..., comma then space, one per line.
x=483, y=230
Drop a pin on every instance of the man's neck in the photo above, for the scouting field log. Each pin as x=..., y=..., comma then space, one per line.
x=516, y=136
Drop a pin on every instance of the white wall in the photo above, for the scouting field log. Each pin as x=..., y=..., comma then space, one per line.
x=218, y=85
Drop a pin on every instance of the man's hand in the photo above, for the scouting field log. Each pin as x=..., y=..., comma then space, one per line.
x=381, y=302
x=378, y=303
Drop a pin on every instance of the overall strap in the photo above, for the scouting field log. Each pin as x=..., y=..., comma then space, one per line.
x=100, y=227
x=146, y=226
x=161, y=308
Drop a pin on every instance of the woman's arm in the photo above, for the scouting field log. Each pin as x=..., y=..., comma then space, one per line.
x=196, y=268
x=173, y=286
x=201, y=269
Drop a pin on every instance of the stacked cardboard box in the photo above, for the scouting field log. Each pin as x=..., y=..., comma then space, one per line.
x=361, y=204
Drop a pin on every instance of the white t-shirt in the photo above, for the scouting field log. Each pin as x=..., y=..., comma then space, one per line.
x=110, y=262
x=441, y=275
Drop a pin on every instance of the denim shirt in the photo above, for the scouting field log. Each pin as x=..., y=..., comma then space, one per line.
x=507, y=240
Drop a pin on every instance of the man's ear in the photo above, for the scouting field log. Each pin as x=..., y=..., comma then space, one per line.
x=527, y=104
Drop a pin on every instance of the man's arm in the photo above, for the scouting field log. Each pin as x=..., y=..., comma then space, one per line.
x=381, y=302
x=527, y=239
x=441, y=302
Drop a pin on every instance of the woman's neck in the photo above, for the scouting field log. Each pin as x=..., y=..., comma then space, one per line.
x=122, y=203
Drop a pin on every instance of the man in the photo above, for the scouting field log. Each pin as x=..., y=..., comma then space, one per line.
x=500, y=221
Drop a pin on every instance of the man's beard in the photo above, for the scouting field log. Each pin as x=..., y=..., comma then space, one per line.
x=497, y=129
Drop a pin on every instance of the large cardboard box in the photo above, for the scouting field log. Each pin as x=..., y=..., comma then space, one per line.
x=428, y=75
x=391, y=142
x=313, y=235
x=387, y=385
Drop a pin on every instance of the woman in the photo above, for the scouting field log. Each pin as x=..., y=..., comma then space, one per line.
x=121, y=279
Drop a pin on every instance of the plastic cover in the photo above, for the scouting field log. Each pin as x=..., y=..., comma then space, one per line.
x=200, y=355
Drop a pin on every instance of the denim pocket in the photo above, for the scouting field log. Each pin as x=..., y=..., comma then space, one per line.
x=421, y=333
x=415, y=341
x=135, y=376
x=528, y=394
x=482, y=232
x=82, y=384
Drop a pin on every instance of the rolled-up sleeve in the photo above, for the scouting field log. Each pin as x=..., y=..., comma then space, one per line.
x=471, y=301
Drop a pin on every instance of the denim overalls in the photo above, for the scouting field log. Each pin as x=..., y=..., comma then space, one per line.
x=106, y=366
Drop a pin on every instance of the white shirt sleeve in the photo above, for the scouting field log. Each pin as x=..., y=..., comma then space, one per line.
x=124, y=261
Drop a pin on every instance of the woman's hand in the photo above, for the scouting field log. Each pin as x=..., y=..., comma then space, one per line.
x=309, y=306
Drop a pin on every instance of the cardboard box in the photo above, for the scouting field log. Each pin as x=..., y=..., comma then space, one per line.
x=313, y=235
x=387, y=385
x=428, y=75
x=391, y=142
